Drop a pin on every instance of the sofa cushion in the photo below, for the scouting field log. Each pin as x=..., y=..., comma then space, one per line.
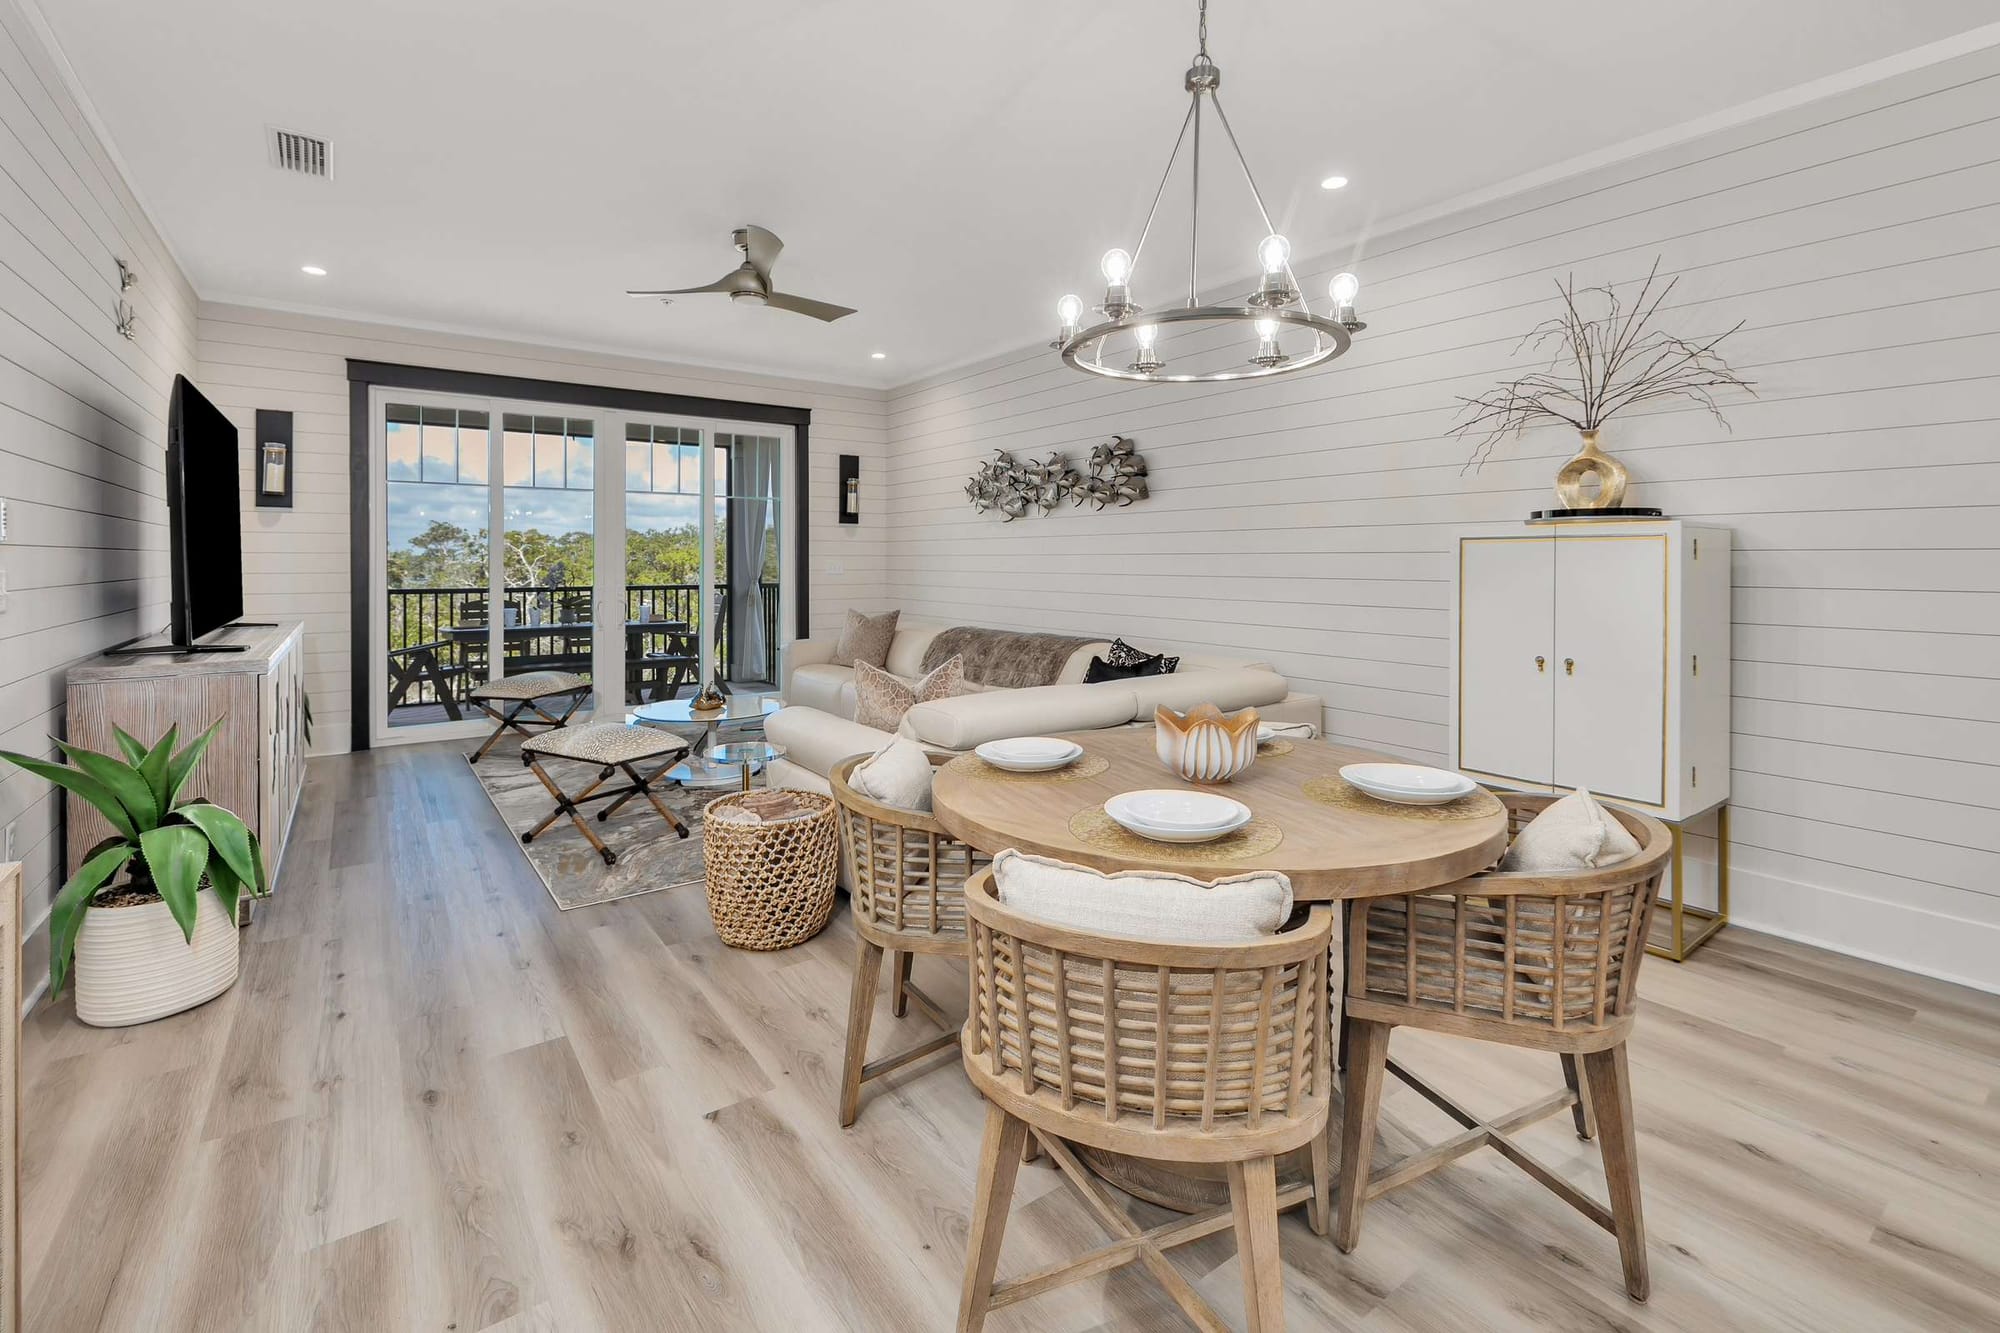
x=1242, y=687
x=1144, y=904
x=899, y=774
x=823, y=686
x=866, y=639
x=817, y=741
x=973, y=719
x=880, y=699
x=906, y=654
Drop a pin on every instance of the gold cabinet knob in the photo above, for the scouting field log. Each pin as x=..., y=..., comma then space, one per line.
x=1569, y=666
x=1541, y=663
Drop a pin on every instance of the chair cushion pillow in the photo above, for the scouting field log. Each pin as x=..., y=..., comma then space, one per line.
x=1574, y=833
x=898, y=774
x=865, y=639
x=1151, y=905
x=880, y=699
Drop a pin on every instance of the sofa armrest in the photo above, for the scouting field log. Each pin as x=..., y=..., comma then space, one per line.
x=798, y=653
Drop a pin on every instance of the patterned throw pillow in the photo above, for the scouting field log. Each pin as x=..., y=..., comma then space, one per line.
x=1124, y=662
x=866, y=639
x=880, y=699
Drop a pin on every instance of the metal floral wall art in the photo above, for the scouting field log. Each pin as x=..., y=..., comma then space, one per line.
x=1116, y=476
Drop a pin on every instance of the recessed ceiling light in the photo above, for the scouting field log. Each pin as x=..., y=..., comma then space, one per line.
x=1333, y=183
x=312, y=270
x=878, y=356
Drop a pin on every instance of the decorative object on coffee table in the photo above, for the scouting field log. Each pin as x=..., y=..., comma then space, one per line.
x=163, y=938
x=712, y=696
x=1604, y=365
x=1205, y=744
x=772, y=859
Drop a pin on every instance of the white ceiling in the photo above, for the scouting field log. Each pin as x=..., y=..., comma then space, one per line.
x=511, y=166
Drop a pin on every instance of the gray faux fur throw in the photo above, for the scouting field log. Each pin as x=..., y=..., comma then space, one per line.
x=1002, y=658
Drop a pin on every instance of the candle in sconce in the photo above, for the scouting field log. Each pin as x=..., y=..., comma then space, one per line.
x=273, y=481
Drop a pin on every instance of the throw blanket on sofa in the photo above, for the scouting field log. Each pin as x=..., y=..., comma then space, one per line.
x=1004, y=659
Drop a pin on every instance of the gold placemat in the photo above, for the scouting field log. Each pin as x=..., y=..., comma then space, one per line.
x=972, y=766
x=1338, y=792
x=1256, y=838
x=1274, y=747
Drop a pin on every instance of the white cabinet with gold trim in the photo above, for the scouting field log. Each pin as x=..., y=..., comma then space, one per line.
x=1594, y=655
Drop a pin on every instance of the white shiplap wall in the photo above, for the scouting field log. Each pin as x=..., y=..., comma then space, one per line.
x=83, y=429
x=1304, y=520
x=296, y=560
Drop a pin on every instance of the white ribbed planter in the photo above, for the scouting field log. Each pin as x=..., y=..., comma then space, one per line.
x=133, y=964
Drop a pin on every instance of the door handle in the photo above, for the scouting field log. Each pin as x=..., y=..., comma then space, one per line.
x=1569, y=666
x=1541, y=663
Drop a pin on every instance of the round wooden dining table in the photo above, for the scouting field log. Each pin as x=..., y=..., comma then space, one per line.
x=1333, y=842
x=1329, y=839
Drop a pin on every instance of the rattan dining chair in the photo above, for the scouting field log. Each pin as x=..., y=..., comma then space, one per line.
x=1544, y=961
x=906, y=879
x=1216, y=1053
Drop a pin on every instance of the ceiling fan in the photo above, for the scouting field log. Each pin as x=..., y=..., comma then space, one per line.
x=750, y=281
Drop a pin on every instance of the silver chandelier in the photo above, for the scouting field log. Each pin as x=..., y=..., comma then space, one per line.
x=1276, y=317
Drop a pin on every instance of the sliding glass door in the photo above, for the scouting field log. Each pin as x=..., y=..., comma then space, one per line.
x=647, y=576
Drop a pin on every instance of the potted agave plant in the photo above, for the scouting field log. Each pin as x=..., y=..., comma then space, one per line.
x=148, y=922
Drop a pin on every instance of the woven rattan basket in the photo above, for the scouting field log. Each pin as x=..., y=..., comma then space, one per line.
x=770, y=886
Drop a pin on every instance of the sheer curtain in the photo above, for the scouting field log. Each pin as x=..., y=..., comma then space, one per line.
x=753, y=479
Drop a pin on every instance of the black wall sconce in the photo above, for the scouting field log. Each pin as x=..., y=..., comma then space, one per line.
x=850, y=488
x=274, y=460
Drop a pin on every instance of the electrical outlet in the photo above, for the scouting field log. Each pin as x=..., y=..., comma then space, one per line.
x=3, y=520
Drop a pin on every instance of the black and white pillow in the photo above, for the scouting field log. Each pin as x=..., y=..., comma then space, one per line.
x=1124, y=662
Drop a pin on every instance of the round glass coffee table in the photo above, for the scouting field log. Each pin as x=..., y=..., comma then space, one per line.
x=747, y=755
x=740, y=714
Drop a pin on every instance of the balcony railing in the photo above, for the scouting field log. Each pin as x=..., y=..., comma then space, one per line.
x=433, y=658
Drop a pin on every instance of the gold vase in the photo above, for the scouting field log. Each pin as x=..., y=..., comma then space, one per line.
x=1591, y=461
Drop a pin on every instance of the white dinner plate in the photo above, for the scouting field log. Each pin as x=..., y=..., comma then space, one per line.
x=1158, y=834
x=1029, y=754
x=1408, y=784
x=1176, y=811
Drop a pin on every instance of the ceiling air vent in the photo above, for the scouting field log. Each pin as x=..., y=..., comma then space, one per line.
x=291, y=151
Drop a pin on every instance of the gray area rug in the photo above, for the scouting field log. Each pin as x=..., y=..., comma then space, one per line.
x=650, y=856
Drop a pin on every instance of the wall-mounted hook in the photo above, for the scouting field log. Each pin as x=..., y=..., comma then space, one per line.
x=127, y=279
x=128, y=321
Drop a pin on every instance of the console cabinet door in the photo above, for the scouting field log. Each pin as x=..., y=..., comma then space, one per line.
x=1611, y=665
x=1506, y=672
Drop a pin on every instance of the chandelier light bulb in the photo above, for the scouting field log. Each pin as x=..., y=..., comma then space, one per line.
x=1274, y=253
x=1116, y=267
x=1069, y=310
x=1344, y=288
x=1267, y=328
x=1147, y=334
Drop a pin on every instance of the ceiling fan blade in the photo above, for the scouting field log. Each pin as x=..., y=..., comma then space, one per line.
x=721, y=284
x=760, y=247
x=799, y=305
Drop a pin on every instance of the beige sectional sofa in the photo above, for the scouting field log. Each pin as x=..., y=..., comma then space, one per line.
x=817, y=726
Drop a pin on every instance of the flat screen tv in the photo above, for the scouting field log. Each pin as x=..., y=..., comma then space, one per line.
x=204, y=515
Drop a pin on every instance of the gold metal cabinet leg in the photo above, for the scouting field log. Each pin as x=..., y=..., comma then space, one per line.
x=1678, y=909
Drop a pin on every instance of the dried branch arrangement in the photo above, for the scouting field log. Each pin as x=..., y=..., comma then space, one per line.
x=1602, y=366
x=1117, y=476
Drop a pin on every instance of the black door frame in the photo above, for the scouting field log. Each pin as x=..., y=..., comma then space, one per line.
x=365, y=375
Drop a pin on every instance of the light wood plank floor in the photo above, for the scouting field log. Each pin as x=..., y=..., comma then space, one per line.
x=433, y=1102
